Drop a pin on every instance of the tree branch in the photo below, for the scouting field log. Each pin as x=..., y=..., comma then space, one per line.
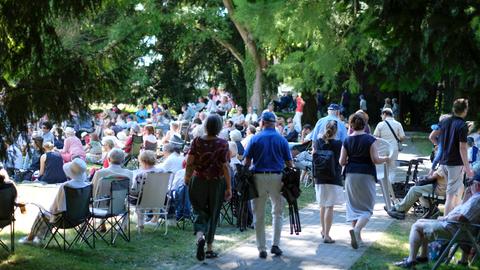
x=229, y=46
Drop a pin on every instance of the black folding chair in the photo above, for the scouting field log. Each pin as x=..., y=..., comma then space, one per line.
x=7, y=214
x=466, y=234
x=76, y=217
x=227, y=213
x=116, y=214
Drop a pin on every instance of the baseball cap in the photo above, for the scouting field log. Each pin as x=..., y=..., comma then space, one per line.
x=268, y=116
x=334, y=107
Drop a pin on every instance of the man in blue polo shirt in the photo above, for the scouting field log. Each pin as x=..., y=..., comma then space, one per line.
x=333, y=114
x=269, y=153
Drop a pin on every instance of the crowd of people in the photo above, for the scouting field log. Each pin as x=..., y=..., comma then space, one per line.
x=202, y=146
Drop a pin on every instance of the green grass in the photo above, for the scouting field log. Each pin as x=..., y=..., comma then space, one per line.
x=151, y=250
x=392, y=248
x=423, y=146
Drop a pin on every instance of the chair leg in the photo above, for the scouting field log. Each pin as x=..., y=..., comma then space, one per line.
x=12, y=236
x=446, y=251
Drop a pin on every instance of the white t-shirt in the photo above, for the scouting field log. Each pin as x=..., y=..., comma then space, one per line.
x=251, y=117
x=383, y=131
x=173, y=163
x=178, y=180
x=150, y=138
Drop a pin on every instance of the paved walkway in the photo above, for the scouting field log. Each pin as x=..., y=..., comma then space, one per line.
x=307, y=250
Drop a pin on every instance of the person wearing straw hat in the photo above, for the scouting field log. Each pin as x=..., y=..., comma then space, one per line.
x=75, y=170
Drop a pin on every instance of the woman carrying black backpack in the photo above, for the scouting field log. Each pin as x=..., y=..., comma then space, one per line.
x=327, y=172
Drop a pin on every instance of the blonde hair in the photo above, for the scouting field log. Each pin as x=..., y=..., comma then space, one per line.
x=330, y=130
x=48, y=145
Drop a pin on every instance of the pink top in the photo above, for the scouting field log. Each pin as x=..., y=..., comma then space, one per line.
x=72, y=147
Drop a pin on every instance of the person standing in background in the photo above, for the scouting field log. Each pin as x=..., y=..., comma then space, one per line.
x=345, y=103
x=297, y=119
x=363, y=103
x=395, y=109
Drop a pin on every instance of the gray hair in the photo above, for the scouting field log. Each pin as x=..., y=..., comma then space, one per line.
x=116, y=156
x=109, y=143
x=213, y=124
x=235, y=135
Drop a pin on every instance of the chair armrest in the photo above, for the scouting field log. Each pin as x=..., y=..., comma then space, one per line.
x=460, y=223
x=102, y=199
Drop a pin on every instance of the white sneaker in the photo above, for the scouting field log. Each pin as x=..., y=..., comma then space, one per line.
x=24, y=240
x=35, y=242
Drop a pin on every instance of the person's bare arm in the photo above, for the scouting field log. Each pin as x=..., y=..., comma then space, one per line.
x=43, y=158
x=228, y=181
x=343, y=157
x=189, y=169
x=433, y=136
x=374, y=155
x=464, y=155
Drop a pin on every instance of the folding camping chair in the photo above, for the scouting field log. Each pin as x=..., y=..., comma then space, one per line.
x=137, y=144
x=113, y=210
x=153, y=197
x=7, y=215
x=465, y=234
x=227, y=213
x=76, y=217
x=384, y=148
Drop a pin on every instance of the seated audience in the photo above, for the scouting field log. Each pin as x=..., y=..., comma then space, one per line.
x=32, y=159
x=94, y=149
x=116, y=157
x=75, y=170
x=109, y=134
x=72, y=146
x=108, y=145
x=149, y=139
x=437, y=181
x=51, y=166
x=306, y=135
x=47, y=134
x=58, y=141
x=134, y=131
x=291, y=134
x=426, y=230
x=251, y=130
x=174, y=131
x=236, y=137
x=173, y=158
x=14, y=160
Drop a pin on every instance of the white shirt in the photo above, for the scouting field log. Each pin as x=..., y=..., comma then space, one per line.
x=237, y=118
x=383, y=131
x=177, y=181
x=59, y=204
x=115, y=140
x=14, y=157
x=150, y=138
x=251, y=117
x=173, y=163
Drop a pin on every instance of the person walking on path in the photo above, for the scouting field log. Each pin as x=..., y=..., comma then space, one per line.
x=297, y=119
x=269, y=153
x=391, y=131
x=328, y=182
x=363, y=103
x=359, y=156
x=453, y=134
x=333, y=114
x=208, y=177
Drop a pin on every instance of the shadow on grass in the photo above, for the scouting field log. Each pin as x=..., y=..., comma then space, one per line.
x=393, y=247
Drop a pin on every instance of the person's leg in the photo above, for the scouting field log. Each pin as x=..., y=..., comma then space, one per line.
x=322, y=220
x=275, y=187
x=454, y=187
x=197, y=190
x=328, y=219
x=361, y=223
x=216, y=198
x=416, y=239
x=412, y=196
x=258, y=206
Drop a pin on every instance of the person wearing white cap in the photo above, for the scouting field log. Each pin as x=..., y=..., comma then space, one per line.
x=392, y=131
x=75, y=170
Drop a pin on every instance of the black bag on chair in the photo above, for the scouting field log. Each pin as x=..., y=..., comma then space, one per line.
x=245, y=190
x=291, y=191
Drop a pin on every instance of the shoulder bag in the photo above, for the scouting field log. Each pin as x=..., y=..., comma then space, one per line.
x=400, y=146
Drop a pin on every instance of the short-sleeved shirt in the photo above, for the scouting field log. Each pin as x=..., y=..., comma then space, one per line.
x=358, y=152
x=209, y=155
x=454, y=131
x=268, y=151
x=320, y=128
x=469, y=209
x=383, y=131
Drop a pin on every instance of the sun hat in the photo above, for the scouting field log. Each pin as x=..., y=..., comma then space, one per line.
x=75, y=168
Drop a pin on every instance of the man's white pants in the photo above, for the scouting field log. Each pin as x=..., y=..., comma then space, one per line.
x=268, y=185
x=297, y=121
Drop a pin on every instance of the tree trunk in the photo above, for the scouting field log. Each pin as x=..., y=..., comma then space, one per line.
x=250, y=44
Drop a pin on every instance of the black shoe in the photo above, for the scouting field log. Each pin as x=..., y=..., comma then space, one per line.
x=422, y=259
x=397, y=215
x=276, y=250
x=262, y=254
x=201, y=249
